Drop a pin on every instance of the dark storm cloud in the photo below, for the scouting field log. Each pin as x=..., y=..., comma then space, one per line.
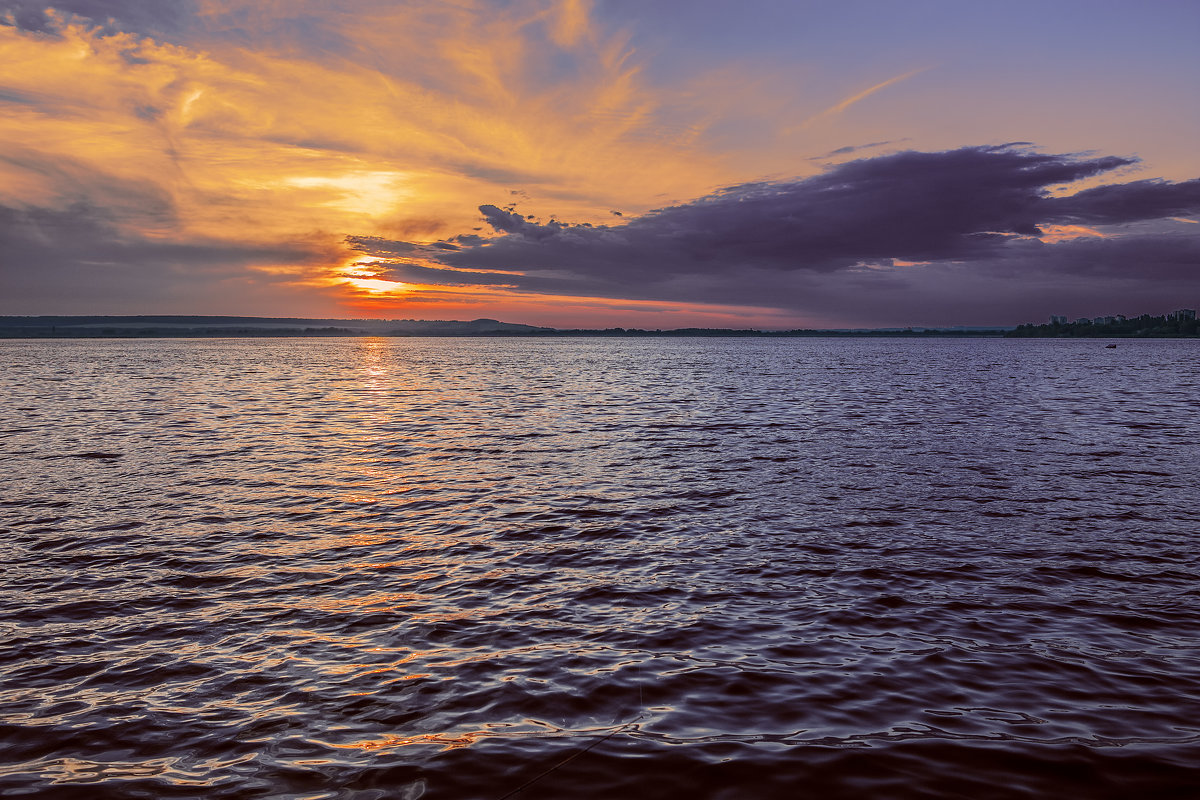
x=1172, y=260
x=779, y=243
x=508, y=221
x=1128, y=202
x=79, y=255
x=911, y=206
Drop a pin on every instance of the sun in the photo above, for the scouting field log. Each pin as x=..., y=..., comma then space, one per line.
x=377, y=286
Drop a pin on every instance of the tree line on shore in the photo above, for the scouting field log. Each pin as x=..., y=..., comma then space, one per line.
x=1145, y=327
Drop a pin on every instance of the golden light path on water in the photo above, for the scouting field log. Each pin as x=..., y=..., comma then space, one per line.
x=597, y=567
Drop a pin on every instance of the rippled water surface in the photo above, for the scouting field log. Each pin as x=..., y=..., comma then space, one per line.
x=595, y=568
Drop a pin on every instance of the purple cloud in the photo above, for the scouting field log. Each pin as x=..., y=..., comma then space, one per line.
x=787, y=244
x=79, y=258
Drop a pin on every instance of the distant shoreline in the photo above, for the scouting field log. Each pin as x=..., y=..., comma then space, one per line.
x=1178, y=325
x=204, y=327
x=175, y=327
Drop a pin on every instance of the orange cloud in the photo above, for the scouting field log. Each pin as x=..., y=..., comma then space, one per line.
x=838, y=108
x=449, y=302
x=432, y=112
x=1061, y=233
x=571, y=22
x=264, y=133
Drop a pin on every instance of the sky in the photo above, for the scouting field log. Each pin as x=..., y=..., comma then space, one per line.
x=764, y=163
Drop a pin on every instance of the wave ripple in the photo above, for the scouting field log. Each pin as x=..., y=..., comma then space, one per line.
x=598, y=568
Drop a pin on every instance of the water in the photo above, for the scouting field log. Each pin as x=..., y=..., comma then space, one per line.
x=597, y=568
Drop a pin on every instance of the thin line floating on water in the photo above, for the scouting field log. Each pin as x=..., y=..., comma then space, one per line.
x=90, y=455
x=567, y=760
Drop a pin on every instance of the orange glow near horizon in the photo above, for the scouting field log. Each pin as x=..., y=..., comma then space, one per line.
x=250, y=153
x=258, y=148
x=560, y=311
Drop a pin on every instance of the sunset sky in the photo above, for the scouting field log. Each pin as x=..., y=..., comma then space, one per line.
x=588, y=164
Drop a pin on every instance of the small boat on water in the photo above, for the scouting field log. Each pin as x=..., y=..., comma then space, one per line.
x=1110, y=346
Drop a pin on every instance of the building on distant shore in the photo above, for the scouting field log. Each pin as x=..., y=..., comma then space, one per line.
x=1179, y=323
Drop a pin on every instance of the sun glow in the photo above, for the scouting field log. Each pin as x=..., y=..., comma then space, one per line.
x=373, y=193
x=377, y=287
x=299, y=158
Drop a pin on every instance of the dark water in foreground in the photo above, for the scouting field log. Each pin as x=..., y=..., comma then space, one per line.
x=652, y=569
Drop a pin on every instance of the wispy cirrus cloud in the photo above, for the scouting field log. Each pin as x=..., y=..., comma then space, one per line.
x=165, y=153
x=857, y=97
x=266, y=124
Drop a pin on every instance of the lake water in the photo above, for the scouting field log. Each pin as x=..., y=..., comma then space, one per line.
x=599, y=568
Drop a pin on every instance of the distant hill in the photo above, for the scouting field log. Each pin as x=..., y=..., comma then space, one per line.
x=72, y=327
